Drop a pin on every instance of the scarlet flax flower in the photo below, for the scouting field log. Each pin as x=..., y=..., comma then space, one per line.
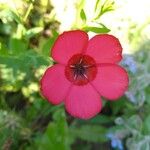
x=85, y=71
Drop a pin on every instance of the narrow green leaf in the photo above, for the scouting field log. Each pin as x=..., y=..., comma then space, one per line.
x=32, y=32
x=56, y=137
x=15, y=16
x=20, y=31
x=101, y=119
x=107, y=6
x=96, y=5
x=17, y=46
x=96, y=29
x=10, y=14
x=48, y=43
x=94, y=133
x=147, y=124
x=83, y=15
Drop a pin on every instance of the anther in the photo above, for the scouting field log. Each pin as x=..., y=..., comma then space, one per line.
x=81, y=69
x=75, y=76
x=80, y=60
x=85, y=76
x=72, y=66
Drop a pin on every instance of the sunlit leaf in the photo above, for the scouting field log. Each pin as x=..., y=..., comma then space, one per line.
x=17, y=46
x=96, y=29
x=32, y=32
x=10, y=14
x=96, y=5
x=83, y=15
x=105, y=7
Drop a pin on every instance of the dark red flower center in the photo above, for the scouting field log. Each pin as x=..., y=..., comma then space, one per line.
x=81, y=69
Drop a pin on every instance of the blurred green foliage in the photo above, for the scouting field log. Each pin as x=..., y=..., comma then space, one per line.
x=28, y=121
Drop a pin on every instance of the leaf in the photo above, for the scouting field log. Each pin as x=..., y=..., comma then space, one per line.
x=56, y=136
x=93, y=133
x=83, y=15
x=107, y=6
x=96, y=5
x=118, y=130
x=10, y=14
x=135, y=122
x=15, y=17
x=138, y=143
x=48, y=43
x=96, y=29
x=17, y=46
x=32, y=32
x=147, y=124
x=99, y=119
x=23, y=62
x=20, y=31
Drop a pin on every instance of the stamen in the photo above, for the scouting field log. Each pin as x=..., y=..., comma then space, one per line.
x=72, y=66
x=85, y=76
x=81, y=69
x=75, y=76
x=80, y=60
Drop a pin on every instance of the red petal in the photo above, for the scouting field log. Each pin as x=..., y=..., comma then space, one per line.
x=105, y=48
x=111, y=81
x=54, y=85
x=83, y=102
x=68, y=44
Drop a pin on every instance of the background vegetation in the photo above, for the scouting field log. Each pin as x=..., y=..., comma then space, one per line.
x=28, y=29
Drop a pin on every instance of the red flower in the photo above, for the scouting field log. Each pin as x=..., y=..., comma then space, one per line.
x=86, y=70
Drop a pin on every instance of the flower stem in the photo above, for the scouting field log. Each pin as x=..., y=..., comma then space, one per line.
x=28, y=11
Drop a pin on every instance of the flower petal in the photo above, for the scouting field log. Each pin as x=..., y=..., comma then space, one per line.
x=68, y=44
x=111, y=81
x=105, y=48
x=54, y=85
x=83, y=102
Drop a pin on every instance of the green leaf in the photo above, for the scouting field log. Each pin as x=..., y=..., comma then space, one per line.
x=17, y=46
x=48, y=43
x=56, y=136
x=93, y=133
x=138, y=143
x=135, y=123
x=107, y=6
x=96, y=29
x=20, y=31
x=96, y=5
x=147, y=125
x=83, y=15
x=32, y=32
x=101, y=119
x=10, y=14
x=23, y=62
x=15, y=17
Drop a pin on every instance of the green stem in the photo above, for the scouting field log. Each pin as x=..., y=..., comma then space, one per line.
x=28, y=11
